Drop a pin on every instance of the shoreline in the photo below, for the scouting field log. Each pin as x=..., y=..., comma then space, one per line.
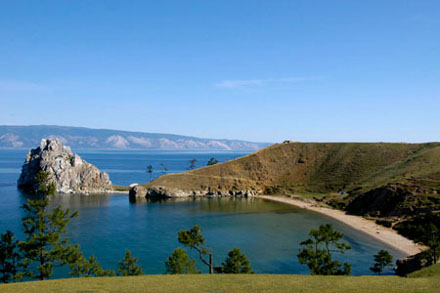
x=386, y=235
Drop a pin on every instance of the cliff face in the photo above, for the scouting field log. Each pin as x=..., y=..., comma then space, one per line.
x=311, y=167
x=67, y=171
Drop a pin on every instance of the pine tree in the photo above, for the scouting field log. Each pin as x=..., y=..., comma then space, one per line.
x=194, y=239
x=382, y=260
x=44, y=184
x=150, y=171
x=164, y=168
x=235, y=263
x=317, y=254
x=88, y=268
x=180, y=263
x=9, y=258
x=212, y=161
x=192, y=164
x=128, y=265
x=46, y=246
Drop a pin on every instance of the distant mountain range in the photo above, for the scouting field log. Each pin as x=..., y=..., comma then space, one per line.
x=87, y=138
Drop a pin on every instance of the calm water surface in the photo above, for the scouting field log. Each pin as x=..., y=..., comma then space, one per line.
x=268, y=233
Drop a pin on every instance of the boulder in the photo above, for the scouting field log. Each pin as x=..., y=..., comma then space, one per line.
x=67, y=171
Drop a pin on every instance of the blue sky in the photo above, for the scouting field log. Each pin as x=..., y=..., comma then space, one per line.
x=256, y=70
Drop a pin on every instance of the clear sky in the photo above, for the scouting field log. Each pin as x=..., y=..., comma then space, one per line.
x=256, y=70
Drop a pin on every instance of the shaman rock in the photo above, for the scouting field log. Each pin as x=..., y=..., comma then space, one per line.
x=67, y=171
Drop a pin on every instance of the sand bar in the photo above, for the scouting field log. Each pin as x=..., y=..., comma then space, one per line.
x=384, y=234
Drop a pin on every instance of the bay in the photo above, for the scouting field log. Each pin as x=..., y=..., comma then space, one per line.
x=268, y=233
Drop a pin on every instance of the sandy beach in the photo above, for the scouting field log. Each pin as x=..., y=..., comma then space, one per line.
x=386, y=235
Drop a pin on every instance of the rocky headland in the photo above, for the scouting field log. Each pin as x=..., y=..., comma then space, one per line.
x=67, y=171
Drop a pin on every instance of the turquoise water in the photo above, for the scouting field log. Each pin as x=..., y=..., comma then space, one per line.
x=268, y=233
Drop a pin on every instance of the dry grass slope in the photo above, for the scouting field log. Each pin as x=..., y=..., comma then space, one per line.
x=318, y=168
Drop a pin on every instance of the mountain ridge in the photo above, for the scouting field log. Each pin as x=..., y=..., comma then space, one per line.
x=18, y=136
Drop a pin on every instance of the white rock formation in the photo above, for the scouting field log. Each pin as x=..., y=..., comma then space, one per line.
x=67, y=171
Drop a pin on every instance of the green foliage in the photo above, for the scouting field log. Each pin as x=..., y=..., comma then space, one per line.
x=424, y=229
x=46, y=245
x=180, y=263
x=317, y=254
x=9, y=258
x=192, y=164
x=382, y=260
x=128, y=265
x=88, y=268
x=150, y=171
x=45, y=187
x=212, y=161
x=235, y=263
x=194, y=239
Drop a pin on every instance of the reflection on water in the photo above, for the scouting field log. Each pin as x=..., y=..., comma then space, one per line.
x=76, y=201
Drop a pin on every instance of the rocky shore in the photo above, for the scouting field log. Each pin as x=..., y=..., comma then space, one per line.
x=140, y=192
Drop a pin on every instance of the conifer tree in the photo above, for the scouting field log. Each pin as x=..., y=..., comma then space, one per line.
x=9, y=258
x=45, y=246
x=180, y=263
x=317, y=254
x=194, y=239
x=212, y=161
x=128, y=265
x=382, y=260
x=235, y=263
x=88, y=268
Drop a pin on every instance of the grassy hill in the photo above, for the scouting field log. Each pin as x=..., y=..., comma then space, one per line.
x=232, y=283
x=319, y=168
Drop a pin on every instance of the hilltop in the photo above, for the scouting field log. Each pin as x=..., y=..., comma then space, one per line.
x=298, y=168
x=87, y=138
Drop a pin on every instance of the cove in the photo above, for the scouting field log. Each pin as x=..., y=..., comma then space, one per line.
x=268, y=233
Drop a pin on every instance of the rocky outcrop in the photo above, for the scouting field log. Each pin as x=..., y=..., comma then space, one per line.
x=67, y=171
x=139, y=192
x=412, y=263
x=384, y=201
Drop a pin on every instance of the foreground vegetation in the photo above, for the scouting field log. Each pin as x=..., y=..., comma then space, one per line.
x=231, y=283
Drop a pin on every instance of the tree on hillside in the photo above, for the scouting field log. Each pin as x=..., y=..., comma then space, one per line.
x=150, y=171
x=90, y=267
x=235, y=263
x=9, y=258
x=164, y=168
x=194, y=239
x=192, y=164
x=46, y=246
x=382, y=260
x=212, y=161
x=128, y=265
x=180, y=263
x=317, y=254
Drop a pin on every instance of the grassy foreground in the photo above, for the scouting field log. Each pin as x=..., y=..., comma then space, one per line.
x=232, y=283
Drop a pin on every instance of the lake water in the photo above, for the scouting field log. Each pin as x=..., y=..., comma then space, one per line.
x=268, y=233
